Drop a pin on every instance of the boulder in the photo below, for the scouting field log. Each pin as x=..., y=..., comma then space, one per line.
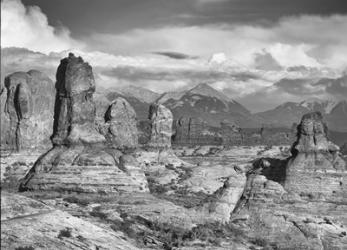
x=120, y=128
x=222, y=203
x=81, y=160
x=27, y=104
x=161, y=126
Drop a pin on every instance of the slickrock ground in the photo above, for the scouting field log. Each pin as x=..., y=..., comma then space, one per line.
x=29, y=224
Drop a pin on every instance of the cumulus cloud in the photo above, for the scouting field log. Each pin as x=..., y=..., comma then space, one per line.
x=28, y=27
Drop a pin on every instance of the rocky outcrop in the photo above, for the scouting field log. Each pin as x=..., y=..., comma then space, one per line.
x=161, y=126
x=315, y=170
x=80, y=159
x=30, y=224
x=120, y=128
x=27, y=102
x=302, y=207
x=222, y=203
x=75, y=109
x=193, y=131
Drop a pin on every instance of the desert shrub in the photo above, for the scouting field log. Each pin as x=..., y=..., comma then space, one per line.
x=126, y=227
x=99, y=214
x=65, y=233
x=77, y=200
x=25, y=248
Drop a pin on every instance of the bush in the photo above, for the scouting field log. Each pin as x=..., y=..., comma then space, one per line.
x=97, y=213
x=77, y=200
x=25, y=248
x=65, y=233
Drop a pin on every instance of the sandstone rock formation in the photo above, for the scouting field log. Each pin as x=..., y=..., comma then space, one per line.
x=50, y=228
x=80, y=159
x=120, y=127
x=75, y=109
x=161, y=126
x=308, y=210
x=315, y=169
x=27, y=102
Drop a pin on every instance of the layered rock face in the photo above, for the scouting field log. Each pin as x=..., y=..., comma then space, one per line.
x=120, y=128
x=161, y=126
x=193, y=131
x=27, y=102
x=81, y=160
x=316, y=169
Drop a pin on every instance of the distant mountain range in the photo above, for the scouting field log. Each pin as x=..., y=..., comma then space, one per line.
x=213, y=107
x=335, y=113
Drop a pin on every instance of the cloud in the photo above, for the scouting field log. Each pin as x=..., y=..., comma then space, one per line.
x=175, y=55
x=204, y=2
x=312, y=41
x=336, y=87
x=28, y=27
x=259, y=66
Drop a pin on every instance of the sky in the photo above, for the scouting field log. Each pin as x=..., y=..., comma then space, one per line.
x=259, y=52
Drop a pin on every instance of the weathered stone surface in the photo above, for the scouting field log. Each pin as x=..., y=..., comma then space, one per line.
x=75, y=109
x=85, y=170
x=26, y=111
x=316, y=170
x=208, y=179
x=161, y=126
x=268, y=214
x=121, y=130
x=32, y=224
x=222, y=203
x=79, y=160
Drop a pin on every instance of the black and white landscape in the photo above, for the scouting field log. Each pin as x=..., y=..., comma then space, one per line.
x=188, y=124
